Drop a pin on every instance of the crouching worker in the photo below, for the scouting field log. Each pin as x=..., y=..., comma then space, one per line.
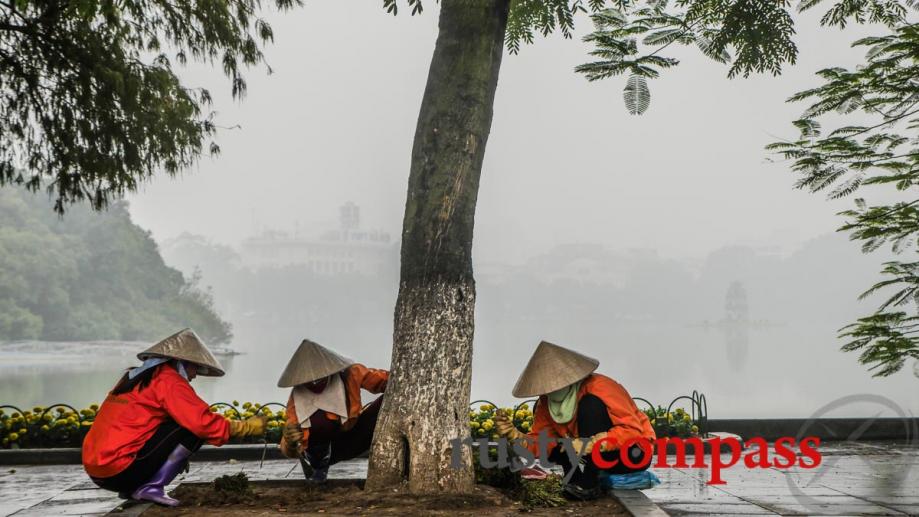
x=325, y=422
x=152, y=421
x=576, y=403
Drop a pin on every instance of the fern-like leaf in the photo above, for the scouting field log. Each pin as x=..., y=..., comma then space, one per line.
x=636, y=94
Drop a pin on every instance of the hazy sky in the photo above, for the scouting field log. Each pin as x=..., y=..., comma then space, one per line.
x=565, y=161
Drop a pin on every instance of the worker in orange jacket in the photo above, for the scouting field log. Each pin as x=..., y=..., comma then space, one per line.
x=576, y=403
x=152, y=421
x=325, y=420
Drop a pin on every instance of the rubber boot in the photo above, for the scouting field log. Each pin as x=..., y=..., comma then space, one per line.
x=154, y=490
x=584, y=482
x=318, y=462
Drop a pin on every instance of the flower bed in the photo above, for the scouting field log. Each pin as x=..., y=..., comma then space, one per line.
x=60, y=425
x=676, y=423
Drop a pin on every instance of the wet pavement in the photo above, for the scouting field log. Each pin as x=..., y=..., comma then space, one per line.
x=854, y=479
x=66, y=490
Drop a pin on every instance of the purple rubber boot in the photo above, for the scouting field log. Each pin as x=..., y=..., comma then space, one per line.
x=154, y=490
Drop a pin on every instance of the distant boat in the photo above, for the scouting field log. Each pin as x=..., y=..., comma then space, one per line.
x=224, y=351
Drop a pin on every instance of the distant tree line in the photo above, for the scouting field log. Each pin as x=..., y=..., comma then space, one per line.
x=91, y=276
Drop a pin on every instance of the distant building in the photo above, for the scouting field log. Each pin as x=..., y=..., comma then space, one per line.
x=347, y=249
x=587, y=263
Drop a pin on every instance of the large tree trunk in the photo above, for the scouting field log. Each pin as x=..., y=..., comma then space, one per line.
x=427, y=398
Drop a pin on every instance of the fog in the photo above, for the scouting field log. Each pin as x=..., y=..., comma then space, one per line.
x=616, y=235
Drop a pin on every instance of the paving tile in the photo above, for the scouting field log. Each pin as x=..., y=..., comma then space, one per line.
x=708, y=509
x=95, y=507
x=834, y=510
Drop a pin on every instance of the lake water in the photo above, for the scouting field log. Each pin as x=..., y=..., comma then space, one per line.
x=783, y=371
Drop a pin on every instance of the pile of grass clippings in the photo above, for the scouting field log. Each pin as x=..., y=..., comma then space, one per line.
x=233, y=488
x=540, y=493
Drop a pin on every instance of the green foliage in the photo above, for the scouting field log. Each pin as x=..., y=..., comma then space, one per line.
x=91, y=276
x=531, y=493
x=752, y=36
x=679, y=423
x=234, y=483
x=636, y=95
x=89, y=103
x=882, y=149
x=630, y=39
x=541, y=493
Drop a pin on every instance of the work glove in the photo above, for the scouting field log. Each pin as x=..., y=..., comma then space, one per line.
x=293, y=435
x=585, y=446
x=505, y=426
x=252, y=426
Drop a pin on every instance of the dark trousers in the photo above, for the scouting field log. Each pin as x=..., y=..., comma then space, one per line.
x=327, y=439
x=592, y=419
x=151, y=457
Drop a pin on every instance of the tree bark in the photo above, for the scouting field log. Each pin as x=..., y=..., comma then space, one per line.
x=427, y=398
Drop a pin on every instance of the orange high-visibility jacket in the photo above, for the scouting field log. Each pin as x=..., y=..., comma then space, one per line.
x=628, y=421
x=125, y=422
x=356, y=376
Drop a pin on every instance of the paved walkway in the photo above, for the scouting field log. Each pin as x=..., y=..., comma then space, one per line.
x=854, y=479
x=45, y=490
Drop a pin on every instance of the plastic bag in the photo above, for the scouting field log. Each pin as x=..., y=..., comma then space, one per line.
x=634, y=481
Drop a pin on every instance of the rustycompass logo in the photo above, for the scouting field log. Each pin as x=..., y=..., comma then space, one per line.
x=719, y=454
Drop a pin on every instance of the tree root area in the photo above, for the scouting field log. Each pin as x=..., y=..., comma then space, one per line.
x=347, y=497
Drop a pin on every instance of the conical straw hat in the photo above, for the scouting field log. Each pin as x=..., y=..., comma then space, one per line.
x=187, y=346
x=552, y=367
x=310, y=362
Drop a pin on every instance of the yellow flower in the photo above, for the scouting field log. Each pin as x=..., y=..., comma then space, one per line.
x=694, y=429
x=525, y=426
x=471, y=414
x=13, y=437
x=486, y=407
x=520, y=414
x=474, y=424
x=653, y=420
x=86, y=423
x=94, y=407
x=247, y=405
x=45, y=428
x=38, y=409
x=235, y=402
x=686, y=417
x=23, y=431
x=488, y=424
x=60, y=410
x=495, y=436
x=47, y=417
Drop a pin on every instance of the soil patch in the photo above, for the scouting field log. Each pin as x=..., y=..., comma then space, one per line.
x=347, y=497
